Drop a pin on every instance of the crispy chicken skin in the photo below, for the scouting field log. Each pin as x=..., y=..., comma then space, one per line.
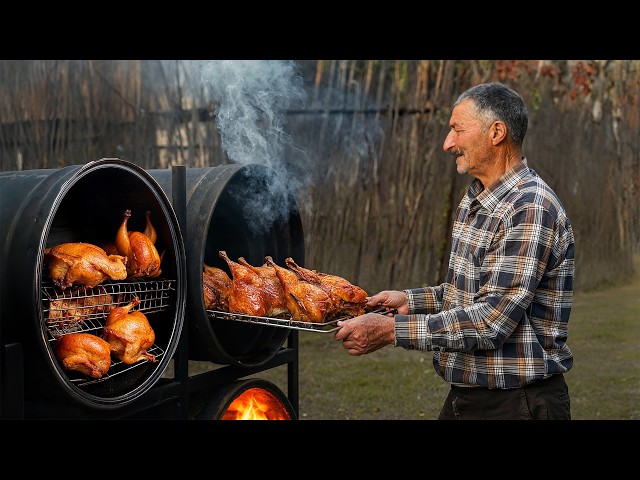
x=247, y=295
x=216, y=286
x=272, y=289
x=84, y=353
x=347, y=299
x=306, y=302
x=83, y=264
x=129, y=333
x=143, y=259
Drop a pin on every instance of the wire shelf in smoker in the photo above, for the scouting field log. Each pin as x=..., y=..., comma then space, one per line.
x=85, y=309
x=323, y=327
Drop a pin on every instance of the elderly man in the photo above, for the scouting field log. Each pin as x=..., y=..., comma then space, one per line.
x=498, y=325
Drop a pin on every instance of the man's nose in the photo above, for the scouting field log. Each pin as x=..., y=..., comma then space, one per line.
x=448, y=142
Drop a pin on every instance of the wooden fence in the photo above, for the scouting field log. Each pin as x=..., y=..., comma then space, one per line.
x=362, y=151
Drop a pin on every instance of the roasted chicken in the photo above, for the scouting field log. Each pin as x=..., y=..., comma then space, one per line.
x=216, y=285
x=84, y=352
x=347, y=299
x=129, y=333
x=143, y=259
x=83, y=264
x=305, y=301
x=249, y=294
x=272, y=288
x=74, y=306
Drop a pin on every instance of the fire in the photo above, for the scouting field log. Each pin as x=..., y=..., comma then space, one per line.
x=256, y=404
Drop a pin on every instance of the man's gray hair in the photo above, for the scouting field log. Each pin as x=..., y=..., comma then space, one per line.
x=496, y=101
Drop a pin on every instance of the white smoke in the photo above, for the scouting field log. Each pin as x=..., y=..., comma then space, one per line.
x=252, y=97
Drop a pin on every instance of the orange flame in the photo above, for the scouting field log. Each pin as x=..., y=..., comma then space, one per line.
x=256, y=404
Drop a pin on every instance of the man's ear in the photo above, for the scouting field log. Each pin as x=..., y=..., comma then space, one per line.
x=498, y=132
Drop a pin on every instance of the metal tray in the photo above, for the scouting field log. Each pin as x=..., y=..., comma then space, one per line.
x=322, y=327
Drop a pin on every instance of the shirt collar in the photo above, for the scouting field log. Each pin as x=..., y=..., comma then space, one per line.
x=489, y=197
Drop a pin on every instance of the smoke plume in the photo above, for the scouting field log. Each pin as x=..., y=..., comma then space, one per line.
x=252, y=97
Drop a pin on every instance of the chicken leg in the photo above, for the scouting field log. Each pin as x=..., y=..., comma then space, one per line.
x=143, y=259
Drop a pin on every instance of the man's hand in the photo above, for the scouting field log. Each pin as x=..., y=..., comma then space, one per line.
x=390, y=299
x=366, y=333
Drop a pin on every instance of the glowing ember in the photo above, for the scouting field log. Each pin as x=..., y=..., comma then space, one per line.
x=256, y=404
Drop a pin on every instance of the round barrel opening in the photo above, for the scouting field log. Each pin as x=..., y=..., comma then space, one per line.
x=247, y=399
x=86, y=205
x=242, y=210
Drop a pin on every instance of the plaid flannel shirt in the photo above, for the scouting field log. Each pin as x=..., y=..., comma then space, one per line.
x=500, y=320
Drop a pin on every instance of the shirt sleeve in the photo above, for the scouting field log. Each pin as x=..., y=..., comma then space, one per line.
x=425, y=299
x=498, y=290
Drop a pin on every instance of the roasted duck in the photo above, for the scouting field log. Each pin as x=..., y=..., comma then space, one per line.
x=76, y=305
x=305, y=301
x=249, y=294
x=347, y=299
x=129, y=333
x=84, y=353
x=143, y=259
x=216, y=285
x=83, y=264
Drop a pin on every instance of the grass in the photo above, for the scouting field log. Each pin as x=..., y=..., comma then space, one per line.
x=395, y=384
x=605, y=338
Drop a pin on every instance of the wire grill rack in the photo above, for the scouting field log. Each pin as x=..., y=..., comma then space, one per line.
x=85, y=309
x=322, y=327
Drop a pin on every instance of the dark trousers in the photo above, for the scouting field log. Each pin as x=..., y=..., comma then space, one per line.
x=542, y=400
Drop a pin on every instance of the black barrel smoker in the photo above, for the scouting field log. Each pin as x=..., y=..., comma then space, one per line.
x=199, y=208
